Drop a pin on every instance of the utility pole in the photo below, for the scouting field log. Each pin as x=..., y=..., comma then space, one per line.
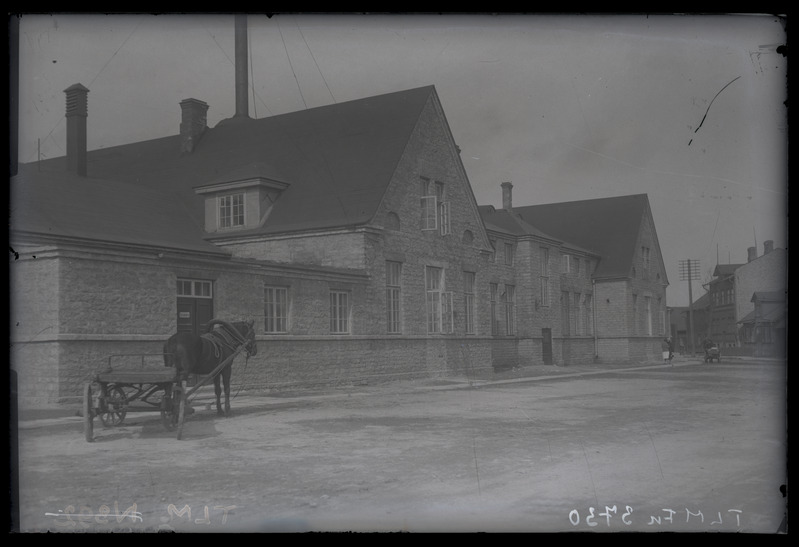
x=689, y=270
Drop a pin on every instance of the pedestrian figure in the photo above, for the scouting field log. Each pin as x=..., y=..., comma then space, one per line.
x=670, y=343
x=664, y=346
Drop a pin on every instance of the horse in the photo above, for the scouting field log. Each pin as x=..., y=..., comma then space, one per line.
x=192, y=354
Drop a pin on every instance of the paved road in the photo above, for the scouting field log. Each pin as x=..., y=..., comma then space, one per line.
x=692, y=447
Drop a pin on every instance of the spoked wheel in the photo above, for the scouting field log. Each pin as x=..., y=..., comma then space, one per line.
x=168, y=416
x=180, y=401
x=88, y=413
x=115, y=407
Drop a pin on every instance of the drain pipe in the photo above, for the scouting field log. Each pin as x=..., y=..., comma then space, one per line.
x=593, y=312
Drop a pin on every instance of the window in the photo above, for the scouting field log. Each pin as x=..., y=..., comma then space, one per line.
x=434, y=207
x=565, y=313
x=635, y=314
x=433, y=298
x=576, y=266
x=195, y=288
x=588, y=269
x=566, y=264
x=339, y=312
x=509, y=254
x=509, y=299
x=468, y=298
x=645, y=257
x=493, y=244
x=578, y=317
x=231, y=211
x=275, y=309
x=393, y=292
x=493, y=290
x=544, y=278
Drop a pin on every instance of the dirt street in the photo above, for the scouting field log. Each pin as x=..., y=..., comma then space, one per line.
x=690, y=447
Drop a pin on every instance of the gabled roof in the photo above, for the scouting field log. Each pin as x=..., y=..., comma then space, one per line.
x=723, y=270
x=768, y=296
x=67, y=205
x=608, y=227
x=337, y=160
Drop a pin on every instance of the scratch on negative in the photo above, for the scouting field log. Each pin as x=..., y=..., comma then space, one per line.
x=711, y=104
x=651, y=440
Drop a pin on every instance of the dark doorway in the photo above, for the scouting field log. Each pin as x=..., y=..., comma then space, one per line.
x=195, y=305
x=546, y=346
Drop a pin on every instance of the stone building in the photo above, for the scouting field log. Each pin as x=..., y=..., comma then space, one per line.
x=350, y=234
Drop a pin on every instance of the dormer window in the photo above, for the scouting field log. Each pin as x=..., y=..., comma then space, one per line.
x=231, y=210
x=242, y=199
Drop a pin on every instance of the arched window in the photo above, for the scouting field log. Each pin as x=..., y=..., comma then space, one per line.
x=468, y=236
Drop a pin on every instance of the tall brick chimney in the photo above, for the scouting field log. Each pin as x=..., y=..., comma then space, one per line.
x=193, y=122
x=77, y=112
x=768, y=246
x=752, y=252
x=507, y=196
x=242, y=85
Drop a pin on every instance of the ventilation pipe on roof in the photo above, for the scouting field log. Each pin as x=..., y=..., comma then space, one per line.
x=507, y=196
x=752, y=252
x=242, y=105
x=77, y=112
x=193, y=122
x=768, y=246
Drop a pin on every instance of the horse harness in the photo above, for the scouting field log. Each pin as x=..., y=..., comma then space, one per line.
x=224, y=338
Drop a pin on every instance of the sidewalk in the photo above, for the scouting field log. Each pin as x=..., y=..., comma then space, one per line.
x=70, y=412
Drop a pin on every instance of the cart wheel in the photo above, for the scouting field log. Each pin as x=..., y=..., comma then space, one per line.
x=88, y=413
x=181, y=409
x=115, y=408
x=168, y=417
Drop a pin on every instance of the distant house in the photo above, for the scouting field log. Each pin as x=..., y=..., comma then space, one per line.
x=350, y=234
x=763, y=329
x=731, y=290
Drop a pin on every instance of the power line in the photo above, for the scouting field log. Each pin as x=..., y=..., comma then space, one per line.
x=314, y=60
x=290, y=65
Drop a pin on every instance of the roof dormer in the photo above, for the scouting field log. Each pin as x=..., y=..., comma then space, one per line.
x=241, y=199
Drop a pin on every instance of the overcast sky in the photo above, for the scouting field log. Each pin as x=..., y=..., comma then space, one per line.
x=687, y=109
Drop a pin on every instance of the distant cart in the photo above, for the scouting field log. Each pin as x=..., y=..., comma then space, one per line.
x=117, y=390
x=712, y=353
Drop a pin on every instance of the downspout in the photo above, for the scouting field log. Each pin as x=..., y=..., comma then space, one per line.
x=593, y=312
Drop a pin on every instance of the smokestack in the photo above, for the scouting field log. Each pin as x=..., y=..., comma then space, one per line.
x=507, y=196
x=242, y=106
x=752, y=251
x=192, y=124
x=768, y=246
x=77, y=112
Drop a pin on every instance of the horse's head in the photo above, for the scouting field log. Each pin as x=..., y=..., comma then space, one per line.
x=247, y=331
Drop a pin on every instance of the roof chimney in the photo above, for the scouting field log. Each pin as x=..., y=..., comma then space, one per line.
x=768, y=246
x=752, y=253
x=77, y=112
x=242, y=106
x=192, y=123
x=507, y=195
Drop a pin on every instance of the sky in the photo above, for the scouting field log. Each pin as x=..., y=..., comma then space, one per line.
x=687, y=109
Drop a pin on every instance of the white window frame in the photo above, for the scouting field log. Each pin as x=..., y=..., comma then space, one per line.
x=566, y=263
x=509, y=299
x=231, y=211
x=276, y=309
x=195, y=288
x=468, y=299
x=493, y=290
x=445, y=228
x=434, y=285
x=393, y=297
x=340, y=312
